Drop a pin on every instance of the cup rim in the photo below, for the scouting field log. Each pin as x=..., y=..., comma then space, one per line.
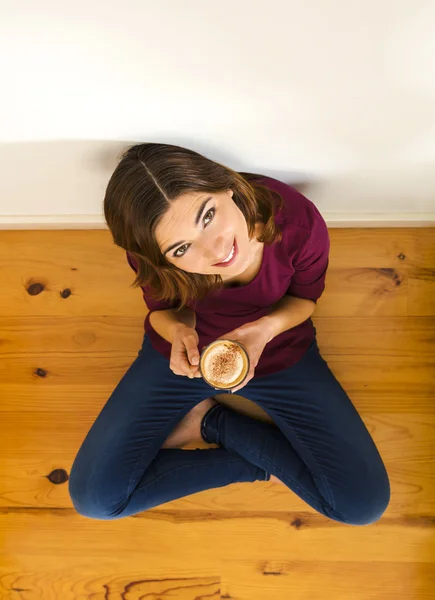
x=242, y=348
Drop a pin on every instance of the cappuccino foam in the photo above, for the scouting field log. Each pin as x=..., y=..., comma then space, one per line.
x=224, y=364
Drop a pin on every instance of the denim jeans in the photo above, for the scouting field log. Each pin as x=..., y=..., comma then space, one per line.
x=319, y=447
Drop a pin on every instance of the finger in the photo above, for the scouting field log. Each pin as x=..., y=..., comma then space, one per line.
x=194, y=371
x=175, y=372
x=192, y=350
x=175, y=369
x=247, y=380
x=194, y=368
x=188, y=370
x=234, y=390
x=179, y=365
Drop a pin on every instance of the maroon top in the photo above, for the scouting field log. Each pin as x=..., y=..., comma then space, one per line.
x=294, y=266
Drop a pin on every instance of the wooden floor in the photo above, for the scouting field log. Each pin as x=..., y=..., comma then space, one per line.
x=69, y=328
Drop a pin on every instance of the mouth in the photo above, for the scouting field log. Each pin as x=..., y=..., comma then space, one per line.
x=230, y=258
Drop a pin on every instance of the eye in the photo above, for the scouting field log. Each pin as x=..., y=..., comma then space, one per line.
x=208, y=217
x=181, y=250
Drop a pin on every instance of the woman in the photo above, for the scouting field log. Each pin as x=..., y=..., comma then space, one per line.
x=240, y=256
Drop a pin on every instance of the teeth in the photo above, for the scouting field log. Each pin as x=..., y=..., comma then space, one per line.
x=230, y=255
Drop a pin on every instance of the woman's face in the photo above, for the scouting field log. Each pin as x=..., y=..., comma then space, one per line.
x=205, y=233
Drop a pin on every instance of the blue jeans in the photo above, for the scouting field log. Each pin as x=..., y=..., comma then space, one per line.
x=320, y=448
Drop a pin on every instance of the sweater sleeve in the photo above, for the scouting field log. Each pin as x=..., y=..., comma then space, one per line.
x=311, y=263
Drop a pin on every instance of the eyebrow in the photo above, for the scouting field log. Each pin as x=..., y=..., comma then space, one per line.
x=198, y=216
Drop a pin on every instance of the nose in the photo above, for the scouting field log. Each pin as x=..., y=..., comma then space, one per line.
x=214, y=248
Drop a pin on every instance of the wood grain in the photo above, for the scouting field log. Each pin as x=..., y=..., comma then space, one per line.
x=181, y=540
x=70, y=326
x=421, y=292
x=34, y=444
x=409, y=338
x=91, y=268
x=66, y=336
x=101, y=584
x=395, y=337
x=364, y=292
x=207, y=571
x=85, y=265
x=83, y=384
x=275, y=580
x=380, y=248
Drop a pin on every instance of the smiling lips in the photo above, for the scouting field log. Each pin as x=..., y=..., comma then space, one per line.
x=229, y=260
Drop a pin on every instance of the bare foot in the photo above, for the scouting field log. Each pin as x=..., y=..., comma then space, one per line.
x=189, y=428
x=276, y=480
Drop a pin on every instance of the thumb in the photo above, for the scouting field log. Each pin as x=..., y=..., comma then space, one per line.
x=192, y=352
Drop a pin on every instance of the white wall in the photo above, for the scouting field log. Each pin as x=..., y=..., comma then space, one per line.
x=338, y=92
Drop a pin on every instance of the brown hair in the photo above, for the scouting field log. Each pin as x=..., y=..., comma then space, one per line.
x=149, y=177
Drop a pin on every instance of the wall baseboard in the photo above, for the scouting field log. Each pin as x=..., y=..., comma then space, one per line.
x=52, y=222
x=333, y=219
x=359, y=219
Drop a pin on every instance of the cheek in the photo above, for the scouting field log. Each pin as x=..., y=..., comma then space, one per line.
x=241, y=228
x=239, y=219
x=193, y=262
x=232, y=220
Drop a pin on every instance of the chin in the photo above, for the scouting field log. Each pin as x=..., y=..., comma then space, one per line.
x=237, y=270
x=231, y=273
x=241, y=266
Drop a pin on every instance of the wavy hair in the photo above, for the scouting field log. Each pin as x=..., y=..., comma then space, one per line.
x=147, y=179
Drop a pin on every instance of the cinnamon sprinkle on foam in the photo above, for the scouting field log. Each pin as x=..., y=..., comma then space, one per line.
x=224, y=364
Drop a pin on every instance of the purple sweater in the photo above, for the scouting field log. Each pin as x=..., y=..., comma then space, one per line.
x=294, y=266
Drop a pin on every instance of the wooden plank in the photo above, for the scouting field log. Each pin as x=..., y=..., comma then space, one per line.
x=364, y=292
x=351, y=345
x=66, y=336
x=181, y=540
x=378, y=247
x=404, y=338
x=79, y=370
x=383, y=248
x=101, y=583
x=421, y=272
x=421, y=295
x=241, y=579
x=34, y=444
x=374, y=247
x=39, y=382
x=409, y=338
x=91, y=267
x=86, y=340
x=276, y=580
x=372, y=389
x=84, y=263
x=400, y=338
x=387, y=384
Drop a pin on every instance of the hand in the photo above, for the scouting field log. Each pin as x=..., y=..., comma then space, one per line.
x=253, y=337
x=184, y=353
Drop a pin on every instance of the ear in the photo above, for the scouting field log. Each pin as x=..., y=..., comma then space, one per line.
x=231, y=193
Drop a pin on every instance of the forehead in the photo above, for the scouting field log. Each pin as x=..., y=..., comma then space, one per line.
x=179, y=218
